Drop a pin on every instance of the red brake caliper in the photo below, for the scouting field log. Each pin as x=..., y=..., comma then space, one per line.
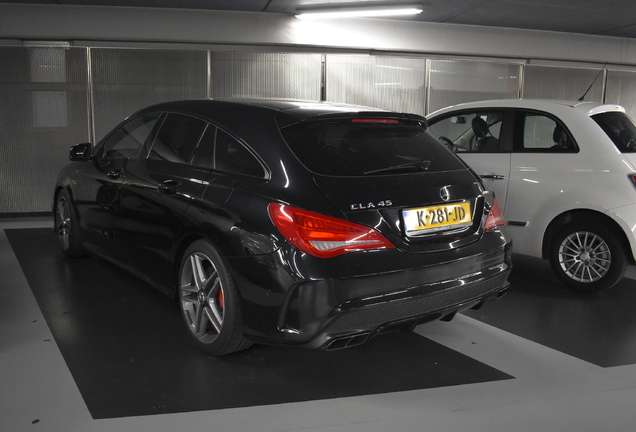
x=221, y=302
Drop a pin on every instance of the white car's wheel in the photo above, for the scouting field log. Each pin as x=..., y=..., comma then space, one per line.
x=588, y=257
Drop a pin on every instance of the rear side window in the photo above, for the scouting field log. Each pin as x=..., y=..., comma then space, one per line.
x=543, y=134
x=221, y=151
x=619, y=128
x=177, y=137
x=358, y=147
x=231, y=156
x=128, y=140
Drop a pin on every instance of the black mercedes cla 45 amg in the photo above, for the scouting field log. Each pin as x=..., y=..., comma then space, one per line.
x=282, y=222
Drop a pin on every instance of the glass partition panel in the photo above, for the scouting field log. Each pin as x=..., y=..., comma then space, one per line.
x=54, y=97
x=457, y=81
x=266, y=75
x=44, y=111
x=391, y=83
x=562, y=83
x=125, y=80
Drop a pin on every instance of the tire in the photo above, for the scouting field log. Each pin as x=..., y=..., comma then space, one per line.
x=588, y=257
x=209, y=301
x=67, y=228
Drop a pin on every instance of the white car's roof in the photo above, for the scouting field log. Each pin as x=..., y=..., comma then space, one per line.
x=587, y=108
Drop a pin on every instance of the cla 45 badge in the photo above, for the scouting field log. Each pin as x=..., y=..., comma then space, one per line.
x=361, y=206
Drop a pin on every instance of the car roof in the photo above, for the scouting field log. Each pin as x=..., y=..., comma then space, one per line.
x=586, y=107
x=286, y=111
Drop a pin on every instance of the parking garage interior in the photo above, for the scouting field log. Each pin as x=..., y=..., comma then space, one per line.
x=85, y=346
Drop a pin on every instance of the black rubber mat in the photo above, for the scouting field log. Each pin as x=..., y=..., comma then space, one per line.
x=130, y=355
x=597, y=328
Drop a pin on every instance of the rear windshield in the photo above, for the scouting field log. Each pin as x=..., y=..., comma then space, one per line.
x=619, y=128
x=362, y=147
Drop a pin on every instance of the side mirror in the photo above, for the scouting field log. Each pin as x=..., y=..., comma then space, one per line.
x=81, y=152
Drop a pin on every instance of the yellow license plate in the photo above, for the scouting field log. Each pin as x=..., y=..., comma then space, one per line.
x=436, y=218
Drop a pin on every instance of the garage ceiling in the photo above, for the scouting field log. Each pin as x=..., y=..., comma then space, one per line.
x=606, y=17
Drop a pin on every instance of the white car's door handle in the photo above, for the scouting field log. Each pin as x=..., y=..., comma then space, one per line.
x=493, y=176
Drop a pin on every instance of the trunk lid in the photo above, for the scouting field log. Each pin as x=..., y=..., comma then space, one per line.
x=392, y=204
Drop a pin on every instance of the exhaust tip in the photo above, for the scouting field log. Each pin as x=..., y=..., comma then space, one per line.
x=348, y=341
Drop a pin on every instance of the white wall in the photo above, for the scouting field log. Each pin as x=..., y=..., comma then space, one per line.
x=117, y=26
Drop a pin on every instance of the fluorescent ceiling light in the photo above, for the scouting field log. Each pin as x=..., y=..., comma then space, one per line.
x=360, y=12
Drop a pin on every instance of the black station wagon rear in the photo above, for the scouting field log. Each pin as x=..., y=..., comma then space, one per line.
x=283, y=222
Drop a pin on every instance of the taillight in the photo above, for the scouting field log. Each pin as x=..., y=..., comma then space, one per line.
x=632, y=179
x=495, y=216
x=324, y=236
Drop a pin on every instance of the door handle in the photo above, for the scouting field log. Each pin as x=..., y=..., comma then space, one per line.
x=169, y=187
x=493, y=176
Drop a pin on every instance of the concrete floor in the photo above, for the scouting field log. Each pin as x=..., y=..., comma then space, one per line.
x=550, y=391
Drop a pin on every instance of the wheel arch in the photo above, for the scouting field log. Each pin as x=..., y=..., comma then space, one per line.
x=577, y=215
x=56, y=193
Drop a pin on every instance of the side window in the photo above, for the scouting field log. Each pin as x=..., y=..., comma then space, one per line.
x=219, y=150
x=177, y=138
x=204, y=154
x=128, y=140
x=544, y=134
x=619, y=128
x=230, y=155
x=470, y=131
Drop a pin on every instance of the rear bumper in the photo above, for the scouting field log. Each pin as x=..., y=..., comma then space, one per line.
x=353, y=322
x=626, y=217
x=290, y=298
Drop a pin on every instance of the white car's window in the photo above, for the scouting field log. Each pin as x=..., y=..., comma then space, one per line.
x=619, y=128
x=544, y=134
x=537, y=132
x=470, y=131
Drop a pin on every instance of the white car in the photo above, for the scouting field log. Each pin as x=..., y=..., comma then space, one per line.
x=564, y=174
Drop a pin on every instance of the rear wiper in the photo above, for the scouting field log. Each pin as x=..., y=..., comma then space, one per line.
x=416, y=165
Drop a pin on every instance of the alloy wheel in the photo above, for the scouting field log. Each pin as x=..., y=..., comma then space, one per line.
x=63, y=222
x=584, y=257
x=202, y=297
